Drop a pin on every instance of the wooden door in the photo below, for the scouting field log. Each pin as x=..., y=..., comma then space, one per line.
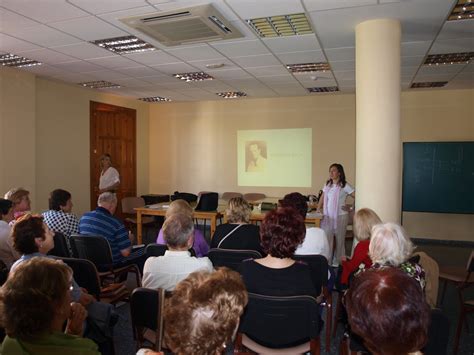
x=113, y=131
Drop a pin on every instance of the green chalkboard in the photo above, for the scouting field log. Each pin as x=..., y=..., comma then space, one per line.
x=438, y=177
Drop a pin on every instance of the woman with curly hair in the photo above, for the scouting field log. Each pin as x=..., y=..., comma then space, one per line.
x=35, y=302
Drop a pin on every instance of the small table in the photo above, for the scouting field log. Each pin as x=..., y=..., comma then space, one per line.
x=159, y=210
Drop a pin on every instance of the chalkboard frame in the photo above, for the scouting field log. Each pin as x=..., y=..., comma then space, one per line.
x=408, y=205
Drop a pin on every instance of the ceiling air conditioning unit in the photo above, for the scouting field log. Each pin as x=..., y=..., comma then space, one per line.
x=189, y=25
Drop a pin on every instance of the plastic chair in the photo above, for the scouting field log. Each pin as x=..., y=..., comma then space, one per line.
x=228, y=195
x=146, y=308
x=254, y=196
x=292, y=324
x=61, y=247
x=160, y=249
x=231, y=258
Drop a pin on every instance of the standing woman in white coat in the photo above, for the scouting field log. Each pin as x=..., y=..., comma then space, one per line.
x=336, y=216
x=109, y=176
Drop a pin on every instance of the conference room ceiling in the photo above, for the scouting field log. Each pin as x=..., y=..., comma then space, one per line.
x=58, y=33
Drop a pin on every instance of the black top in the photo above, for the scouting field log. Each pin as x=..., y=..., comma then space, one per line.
x=246, y=237
x=294, y=280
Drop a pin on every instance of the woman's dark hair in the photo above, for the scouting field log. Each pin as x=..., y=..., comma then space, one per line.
x=31, y=297
x=342, y=175
x=5, y=206
x=296, y=201
x=25, y=230
x=387, y=308
x=58, y=198
x=281, y=232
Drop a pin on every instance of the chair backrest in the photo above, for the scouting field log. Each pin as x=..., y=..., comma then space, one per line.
x=146, y=308
x=159, y=250
x=208, y=201
x=319, y=268
x=254, y=196
x=470, y=263
x=285, y=321
x=85, y=274
x=184, y=196
x=228, y=195
x=93, y=248
x=129, y=203
x=61, y=248
x=232, y=258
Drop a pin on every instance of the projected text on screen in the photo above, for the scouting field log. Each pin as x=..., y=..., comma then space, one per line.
x=274, y=157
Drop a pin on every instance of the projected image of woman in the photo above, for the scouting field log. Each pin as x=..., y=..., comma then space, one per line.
x=256, y=156
x=336, y=217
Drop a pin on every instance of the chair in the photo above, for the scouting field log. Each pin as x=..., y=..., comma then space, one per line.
x=128, y=208
x=231, y=258
x=97, y=250
x=228, y=195
x=86, y=275
x=319, y=273
x=253, y=197
x=61, y=247
x=208, y=201
x=146, y=308
x=159, y=250
x=292, y=323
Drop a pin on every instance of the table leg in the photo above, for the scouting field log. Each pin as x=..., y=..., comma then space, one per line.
x=139, y=227
x=213, y=225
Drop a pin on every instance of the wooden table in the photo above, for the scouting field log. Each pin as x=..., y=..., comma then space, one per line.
x=160, y=211
x=311, y=218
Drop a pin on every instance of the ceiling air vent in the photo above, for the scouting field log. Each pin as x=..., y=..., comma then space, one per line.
x=190, y=25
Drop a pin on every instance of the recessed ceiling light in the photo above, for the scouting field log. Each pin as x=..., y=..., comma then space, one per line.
x=13, y=60
x=449, y=58
x=155, y=99
x=278, y=26
x=124, y=45
x=464, y=10
x=428, y=84
x=196, y=76
x=100, y=84
x=323, y=89
x=215, y=66
x=308, y=67
x=231, y=94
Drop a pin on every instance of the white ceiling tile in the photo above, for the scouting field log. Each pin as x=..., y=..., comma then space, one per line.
x=152, y=58
x=47, y=56
x=268, y=71
x=441, y=69
x=406, y=71
x=456, y=30
x=267, y=92
x=176, y=85
x=80, y=66
x=340, y=54
x=201, y=64
x=427, y=78
x=75, y=77
x=301, y=57
x=469, y=68
x=83, y=50
x=89, y=28
x=290, y=90
x=159, y=79
x=98, y=7
x=292, y=44
x=138, y=71
x=45, y=70
x=278, y=80
x=248, y=9
x=132, y=82
x=344, y=74
x=13, y=45
x=12, y=21
x=44, y=36
x=256, y=60
x=319, y=83
x=108, y=75
x=245, y=84
x=229, y=74
x=309, y=77
x=321, y=5
x=240, y=48
x=113, y=62
x=174, y=68
x=343, y=65
x=47, y=11
x=216, y=86
x=461, y=85
x=201, y=52
x=411, y=61
x=453, y=46
x=411, y=49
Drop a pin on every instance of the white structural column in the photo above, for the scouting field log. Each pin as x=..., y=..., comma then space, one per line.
x=378, y=145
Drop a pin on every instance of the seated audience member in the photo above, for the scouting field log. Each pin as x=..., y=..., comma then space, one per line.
x=177, y=263
x=390, y=246
x=387, y=308
x=35, y=302
x=315, y=241
x=21, y=201
x=277, y=274
x=102, y=222
x=199, y=245
x=203, y=313
x=7, y=253
x=59, y=217
x=237, y=233
x=364, y=220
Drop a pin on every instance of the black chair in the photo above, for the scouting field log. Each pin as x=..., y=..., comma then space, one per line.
x=274, y=325
x=146, y=308
x=188, y=197
x=208, y=201
x=319, y=273
x=97, y=250
x=61, y=248
x=231, y=258
x=159, y=250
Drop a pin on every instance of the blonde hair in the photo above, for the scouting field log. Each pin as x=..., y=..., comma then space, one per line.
x=238, y=210
x=390, y=245
x=15, y=195
x=179, y=206
x=364, y=220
